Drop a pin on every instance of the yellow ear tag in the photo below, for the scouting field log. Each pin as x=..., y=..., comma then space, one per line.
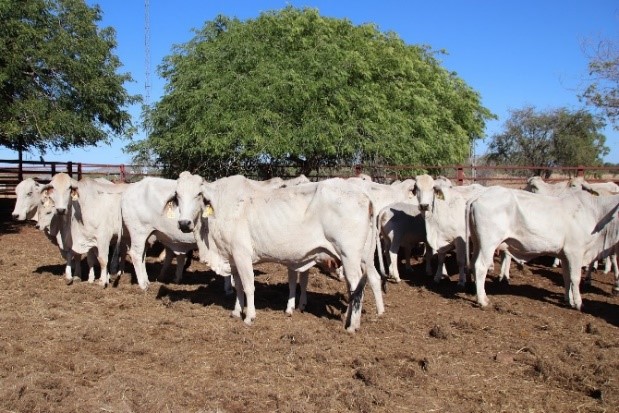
x=440, y=195
x=170, y=210
x=208, y=211
x=74, y=195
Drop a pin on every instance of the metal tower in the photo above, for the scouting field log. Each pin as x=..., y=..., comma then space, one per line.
x=147, y=52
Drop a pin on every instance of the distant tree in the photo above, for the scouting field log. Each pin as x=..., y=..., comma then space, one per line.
x=603, y=89
x=59, y=85
x=294, y=88
x=557, y=137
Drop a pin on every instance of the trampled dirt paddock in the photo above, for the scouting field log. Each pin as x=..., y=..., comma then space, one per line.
x=174, y=348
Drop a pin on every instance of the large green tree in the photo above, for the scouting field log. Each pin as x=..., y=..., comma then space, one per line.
x=294, y=88
x=59, y=85
x=550, y=138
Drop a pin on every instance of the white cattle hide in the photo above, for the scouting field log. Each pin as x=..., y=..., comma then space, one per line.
x=90, y=217
x=301, y=226
x=401, y=226
x=576, y=227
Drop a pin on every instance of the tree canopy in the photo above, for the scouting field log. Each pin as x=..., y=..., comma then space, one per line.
x=293, y=88
x=59, y=85
x=603, y=89
x=555, y=137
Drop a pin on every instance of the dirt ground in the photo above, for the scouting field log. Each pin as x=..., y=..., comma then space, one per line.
x=174, y=348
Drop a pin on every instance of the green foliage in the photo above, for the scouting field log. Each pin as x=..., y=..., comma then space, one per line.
x=603, y=89
x=58, y=82
x=292, y=88
x=549, y=138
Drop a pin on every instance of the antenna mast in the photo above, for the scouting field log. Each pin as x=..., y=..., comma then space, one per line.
x=147, y=52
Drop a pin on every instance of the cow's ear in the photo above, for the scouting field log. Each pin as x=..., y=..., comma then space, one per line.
x=46, y=190
x=45, y=199
x=208, y=193
x=589, y=189
x=440, y=193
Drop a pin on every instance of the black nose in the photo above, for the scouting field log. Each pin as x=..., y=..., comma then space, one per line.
x=424, y=207
x=184, y=225
x=60, y=211
x=15, y=216
x=37, y=226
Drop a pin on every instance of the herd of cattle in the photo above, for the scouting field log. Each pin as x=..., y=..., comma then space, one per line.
x=336, y=224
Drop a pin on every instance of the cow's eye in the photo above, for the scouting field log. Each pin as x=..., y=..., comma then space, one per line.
x=29, y=194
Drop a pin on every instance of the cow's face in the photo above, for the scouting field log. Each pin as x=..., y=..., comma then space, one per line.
x=28, y=194
x=533, y=184
x=424, y=191
x=61, y=190
x=189, y=199
x=46, y=213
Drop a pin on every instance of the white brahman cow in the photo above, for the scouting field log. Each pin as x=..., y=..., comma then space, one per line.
x=237, y=225
x=576, y=227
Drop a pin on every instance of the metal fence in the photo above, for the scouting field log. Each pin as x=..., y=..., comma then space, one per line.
x=12, y=172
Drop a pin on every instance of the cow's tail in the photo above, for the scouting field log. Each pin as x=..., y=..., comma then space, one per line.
x=467, y=237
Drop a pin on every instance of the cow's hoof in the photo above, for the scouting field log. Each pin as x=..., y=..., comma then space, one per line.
x=68, y=281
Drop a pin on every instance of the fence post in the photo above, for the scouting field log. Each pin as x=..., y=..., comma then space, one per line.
x=122, y=172
x=53, y=168
x=79, y=171
x=70, y=168
x=580, y=171
x=460, y=175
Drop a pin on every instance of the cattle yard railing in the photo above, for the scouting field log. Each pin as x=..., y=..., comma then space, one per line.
x=12, y=172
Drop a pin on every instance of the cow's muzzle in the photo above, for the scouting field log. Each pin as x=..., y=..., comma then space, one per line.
x=61, y=211
x=424, y=207
x=185, y=225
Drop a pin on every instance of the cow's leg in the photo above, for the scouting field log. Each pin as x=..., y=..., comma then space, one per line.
x=228, y=284
x=588, y=274
x=506, y=262
x=482, y=260
x=68, y=276
x=356, y=283
x=613, y=260
x=292, y=291
x=180, y=267
x=167, y=262
x=571, y=279
x=440, y=265
x=461, y=260
x=239, y=303
x=124, y=243
x=429, y=253
x=246, y=273
x=103, y=248
x=607, y=264
x=339, y=272
x=77, y=266
x=136, y=252
x=303, y=280
x=394, y=248
x=375, y=284
x=91, y=259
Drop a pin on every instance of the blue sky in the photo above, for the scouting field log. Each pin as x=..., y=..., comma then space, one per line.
x=514, y=53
